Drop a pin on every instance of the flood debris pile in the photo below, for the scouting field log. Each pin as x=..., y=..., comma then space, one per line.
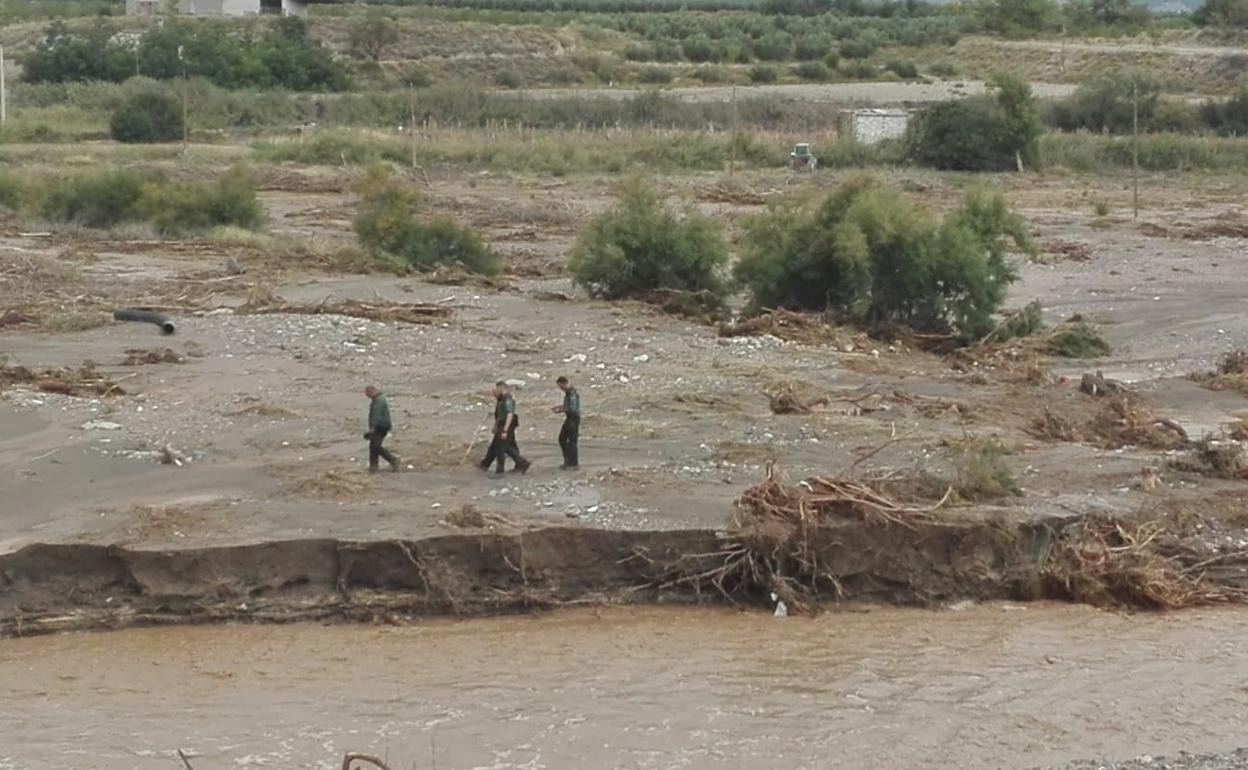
x=1108, y=562
x=800, y=543
x=1124, y=420
x=1231, y=374
x=139, y=357
x=84, y=380
x=1221, y=456
x=263, y=301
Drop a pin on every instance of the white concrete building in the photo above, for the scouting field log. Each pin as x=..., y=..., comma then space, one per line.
x=873, y=125
x=218, y=7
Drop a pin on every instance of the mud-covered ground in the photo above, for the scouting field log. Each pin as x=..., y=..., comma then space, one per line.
x=266, y=413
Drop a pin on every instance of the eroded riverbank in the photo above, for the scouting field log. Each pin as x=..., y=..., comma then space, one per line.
x=997, y=685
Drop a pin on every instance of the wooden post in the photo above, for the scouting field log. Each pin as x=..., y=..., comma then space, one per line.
x=4, y=94
x=732, y=142
x=411, y=129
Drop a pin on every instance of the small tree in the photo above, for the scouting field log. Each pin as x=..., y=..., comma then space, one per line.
x=1018, y=18
x=1223, y=13
x=987, y=133
x=1105, y=104
x=370, y=36
x=869, y=254
x=147, y=117
x=640, y=246
x=1229, y=118
x=388, y=224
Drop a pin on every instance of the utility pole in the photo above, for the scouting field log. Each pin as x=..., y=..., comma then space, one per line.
x=186, y=123
x=1135, y=147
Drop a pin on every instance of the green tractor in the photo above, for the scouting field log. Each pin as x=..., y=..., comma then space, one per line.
x=802, y=159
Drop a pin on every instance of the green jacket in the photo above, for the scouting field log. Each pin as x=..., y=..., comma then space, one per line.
x=379, y=415
x=572, y=404
x=504, y=406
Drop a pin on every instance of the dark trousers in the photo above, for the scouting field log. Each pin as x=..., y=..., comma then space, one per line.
x=500, y=449
x=376, y=450
x=569, y=434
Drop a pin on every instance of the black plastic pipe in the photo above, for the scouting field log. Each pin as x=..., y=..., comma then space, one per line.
x=144, y=316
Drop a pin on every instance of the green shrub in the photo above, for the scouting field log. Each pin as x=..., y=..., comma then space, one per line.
x=832, y=61
x=989, y=133
x=1223, y=13
x=508, y=79
x=371, y=35
x=944, y=69
x=416, y=77
x=1018, y=18
x=98, y=200
x=639, y=52
x=640, y=246
x=11, y=189
x=1228, y=118
x=981, y=473
x=813, y=71
x=774, y=46
x=902, y=69
x=147, y=117
x=655, y=75
x=761, y=73
x=698, y=49
x=388, y=224
x=1105, y=104
x=177, y=209
x=812, y=47
x=866, y=252
x=711, y=74
x=859, y=70
x=857, y=49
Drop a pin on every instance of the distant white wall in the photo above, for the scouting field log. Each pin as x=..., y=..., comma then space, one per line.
x=873, y=126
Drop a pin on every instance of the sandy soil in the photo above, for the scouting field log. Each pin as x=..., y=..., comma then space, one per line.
x=268, y=413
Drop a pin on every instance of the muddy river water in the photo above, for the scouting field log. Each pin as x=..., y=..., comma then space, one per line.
x=990, y=686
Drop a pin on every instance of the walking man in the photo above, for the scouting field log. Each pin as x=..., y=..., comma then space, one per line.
x=378, y=427
x=505, y=423
x=571, y=430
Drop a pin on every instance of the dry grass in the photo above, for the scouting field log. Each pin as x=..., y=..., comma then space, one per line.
x=139, y=357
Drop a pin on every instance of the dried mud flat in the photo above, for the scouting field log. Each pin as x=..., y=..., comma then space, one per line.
x=247, y=431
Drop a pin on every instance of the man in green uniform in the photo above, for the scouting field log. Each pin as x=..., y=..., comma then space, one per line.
x=505, y=423
x=570, y=433
x=378, y=426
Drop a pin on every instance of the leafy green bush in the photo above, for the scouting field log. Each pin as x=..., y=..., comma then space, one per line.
x=183, y=209
x=859, y=70
x=1223, y=13
x=283, y=56
x=640, y=246
x=371, y=35
x=387, y=224
x=867, y=253
x=761, y=73
x=97, y=200
x=832, y=60
x=989, y=133
x=655, y=75
x=812, y=47
x=698, y=49
x=1018, y=18
x=774, y=46
x=416, y=77
x=857, y=49
x=813, y=71
x=711, y=74
x=902, y=69
x=1228, y=118
x=981, y=472
x=147, y=117
x=1105, y=104
x=944, y=69
x=11, y=190
x=508, y=79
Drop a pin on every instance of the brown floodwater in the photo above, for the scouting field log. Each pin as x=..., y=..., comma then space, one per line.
x=991, y=686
